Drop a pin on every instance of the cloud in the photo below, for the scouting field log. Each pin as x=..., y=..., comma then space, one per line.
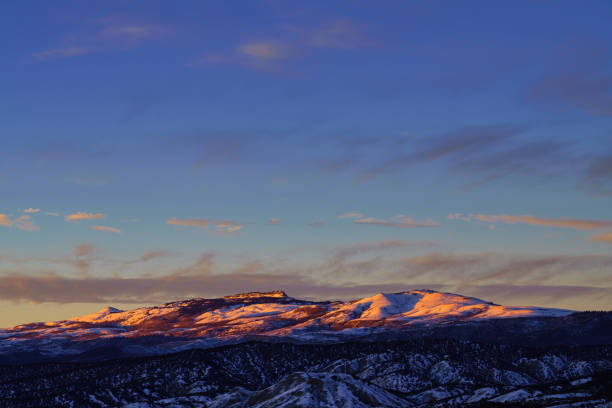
x=5, y=221
x=350, y=271
x=108, y=34
x=352, y=214
x=573, y=223
x=317, y=223
x=398, y=221
x=342, y=253
x=84, y=256
x=61, y=52
x=263, y=50
x=23, y=223
x=53, y=214
x=83, y=250
x=153, y=255
x=475, y=155
x=83, y=216
x=229, y=226
x=109, y=229
x=221, y=226
x=297, y=42
x=338, y=34
x=598, y=177
x=275, y=221
x=31, y=210
x=605, y=237
x=587, y=89
x=190, y=222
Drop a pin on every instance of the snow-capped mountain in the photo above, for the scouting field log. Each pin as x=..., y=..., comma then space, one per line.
x=418, y=348
x=277, y=315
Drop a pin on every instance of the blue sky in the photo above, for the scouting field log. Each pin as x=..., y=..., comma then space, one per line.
x=243, y=132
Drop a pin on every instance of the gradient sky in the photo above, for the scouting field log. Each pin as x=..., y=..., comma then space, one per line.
x=153, y=151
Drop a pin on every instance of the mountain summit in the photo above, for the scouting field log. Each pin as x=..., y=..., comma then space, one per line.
x=269, y=316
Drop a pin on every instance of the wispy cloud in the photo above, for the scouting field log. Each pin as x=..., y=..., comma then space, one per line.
x=605, y=237
x=83, y=216
x=262, y=50
x=146, y=257
x=317, y=223
x=221, y=226
x=352, y=214
x=24, y=222
x=31, y=210
x=104, y=35
x=51, y=53
x=5, y=221
x=274, y=221
x=53, y=214
x=108, y=229
x=290, y=42
x=190, y=222
x=341, y=254
x=574, y=223
x=492, y=276
x=398, y=221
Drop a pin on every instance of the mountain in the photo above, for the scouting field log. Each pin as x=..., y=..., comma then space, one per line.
x=271, y=316
x=418, y=348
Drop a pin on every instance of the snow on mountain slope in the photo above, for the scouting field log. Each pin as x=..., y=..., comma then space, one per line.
x=312, y=390
x=271, y=314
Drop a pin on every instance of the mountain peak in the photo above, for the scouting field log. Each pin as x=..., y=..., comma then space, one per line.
x=251, y=295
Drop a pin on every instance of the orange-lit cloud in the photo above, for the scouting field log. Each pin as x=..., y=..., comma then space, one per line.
x=275, y=221
x=229, y=226
x=531, y=220
x=109, y=229
x=605, y=237
x=266, y=50
x=297, y=42
x=83, y=216
x=5, y=221
x=399, y=221
x=31, y=210
x=190, y=222
x=25, y=223
x=222, y=226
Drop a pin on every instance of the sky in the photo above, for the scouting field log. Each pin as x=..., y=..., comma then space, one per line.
x=155, y=151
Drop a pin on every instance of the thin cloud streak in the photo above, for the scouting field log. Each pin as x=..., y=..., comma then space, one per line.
x=574, y=223
x=109, y=34
x=605, y=237
x=221, y=226
x=108, y=229
x=264, y=54
x=83, y=216
x=399, y=221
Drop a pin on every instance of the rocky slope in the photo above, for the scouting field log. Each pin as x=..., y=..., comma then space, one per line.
x=416, y=373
